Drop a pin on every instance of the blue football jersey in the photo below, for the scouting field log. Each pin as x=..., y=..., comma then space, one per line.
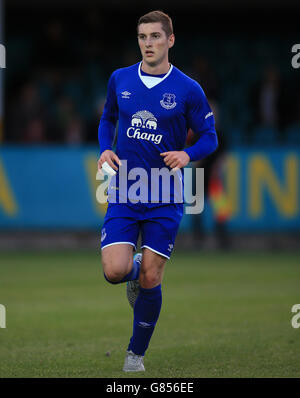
x=153, y=120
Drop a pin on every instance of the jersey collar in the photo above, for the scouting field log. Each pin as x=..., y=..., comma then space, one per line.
x=152, y=81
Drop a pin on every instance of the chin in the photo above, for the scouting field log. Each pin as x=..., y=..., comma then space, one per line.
x=151, y=62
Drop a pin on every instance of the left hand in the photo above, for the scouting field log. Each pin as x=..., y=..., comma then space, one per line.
x=175, y=159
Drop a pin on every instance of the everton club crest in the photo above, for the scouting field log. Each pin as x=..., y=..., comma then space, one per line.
x=168, y=101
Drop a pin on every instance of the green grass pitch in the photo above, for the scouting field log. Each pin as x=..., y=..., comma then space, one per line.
x=223, y=315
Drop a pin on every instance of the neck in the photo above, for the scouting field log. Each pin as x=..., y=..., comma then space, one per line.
x=156, y=69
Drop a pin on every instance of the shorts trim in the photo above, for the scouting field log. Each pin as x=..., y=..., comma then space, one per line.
x=155, y=251
x=119, y=243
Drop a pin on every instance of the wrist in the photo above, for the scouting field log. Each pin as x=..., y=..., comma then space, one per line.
x=104, y=149
x=188, y=155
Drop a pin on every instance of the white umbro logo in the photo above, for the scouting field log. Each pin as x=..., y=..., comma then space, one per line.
x=170, y=248
x=144, y=324
x=103, y=234
x=126, y=94
x=208, y=115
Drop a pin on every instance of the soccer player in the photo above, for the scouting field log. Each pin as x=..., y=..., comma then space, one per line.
x=155, y=104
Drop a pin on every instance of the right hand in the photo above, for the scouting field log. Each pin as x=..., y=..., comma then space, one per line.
x=110, y=157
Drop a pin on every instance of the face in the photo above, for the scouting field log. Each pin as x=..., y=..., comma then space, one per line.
x=154, y=43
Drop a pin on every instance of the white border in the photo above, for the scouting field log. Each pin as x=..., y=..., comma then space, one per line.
x=162, y=79
x=155, y=251
x=119, y=243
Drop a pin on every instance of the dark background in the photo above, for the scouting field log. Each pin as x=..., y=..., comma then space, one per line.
x=61, y=53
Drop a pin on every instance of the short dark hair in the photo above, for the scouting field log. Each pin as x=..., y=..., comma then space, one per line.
x=158, y=16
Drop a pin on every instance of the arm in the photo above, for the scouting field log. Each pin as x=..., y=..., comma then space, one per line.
x=206, y=144
x=200, y=119
x=107, y=127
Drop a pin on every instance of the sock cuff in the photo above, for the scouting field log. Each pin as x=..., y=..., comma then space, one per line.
x=153, y=290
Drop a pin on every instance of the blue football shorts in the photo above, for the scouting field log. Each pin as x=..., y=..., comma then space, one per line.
x=157, y=224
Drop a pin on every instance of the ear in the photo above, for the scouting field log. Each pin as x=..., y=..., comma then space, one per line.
x=171, y=40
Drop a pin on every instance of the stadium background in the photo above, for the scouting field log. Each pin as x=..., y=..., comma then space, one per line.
x=59, y=56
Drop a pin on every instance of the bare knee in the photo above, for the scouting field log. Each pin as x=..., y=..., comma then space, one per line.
x=150, y=278
x=152, y=269
x=114, y=272
x=113, y=276
x=115, y=268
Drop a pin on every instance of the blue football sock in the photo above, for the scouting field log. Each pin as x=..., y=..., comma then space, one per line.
x=146, y=312
x=131, y=276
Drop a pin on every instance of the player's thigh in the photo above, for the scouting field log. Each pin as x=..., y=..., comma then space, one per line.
x=118, y=241
x=152, y=269
x=117, y=260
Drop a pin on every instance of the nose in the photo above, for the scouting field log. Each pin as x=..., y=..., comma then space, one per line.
x=148, y=42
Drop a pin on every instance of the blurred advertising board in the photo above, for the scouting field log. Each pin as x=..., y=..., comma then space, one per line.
x=54, y=187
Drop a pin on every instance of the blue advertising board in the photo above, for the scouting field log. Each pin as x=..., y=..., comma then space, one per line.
x=53, y=187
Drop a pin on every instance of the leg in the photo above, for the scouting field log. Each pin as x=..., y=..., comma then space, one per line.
x=118, y=240
x=159, y=231
x=150, y=275
x=117, y=261
x=148, y=304
x=152, y=269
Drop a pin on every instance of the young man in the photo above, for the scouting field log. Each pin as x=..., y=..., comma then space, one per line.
x=155, y=104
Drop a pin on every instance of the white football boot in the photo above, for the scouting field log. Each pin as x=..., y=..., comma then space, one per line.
x=133, y=287
x=133, y=363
